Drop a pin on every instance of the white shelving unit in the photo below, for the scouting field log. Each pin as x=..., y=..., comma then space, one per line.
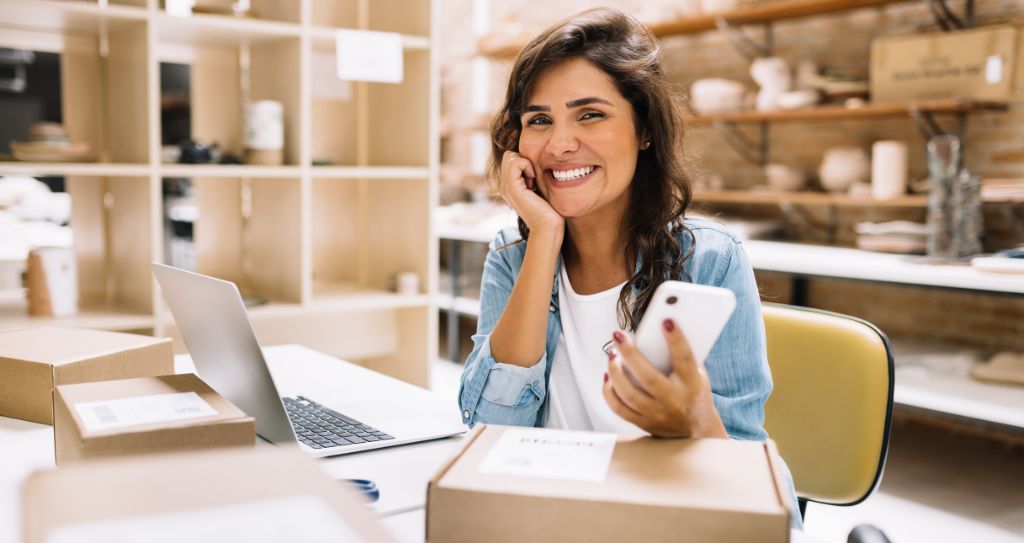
x=318, y=238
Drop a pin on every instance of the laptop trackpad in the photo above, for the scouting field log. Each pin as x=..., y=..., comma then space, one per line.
x=376, y=410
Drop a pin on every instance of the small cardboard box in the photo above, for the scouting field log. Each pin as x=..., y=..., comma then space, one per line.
x=976, y=64
x=654, y=490
x=262, y=494
x=145, y=415
x=35, y=360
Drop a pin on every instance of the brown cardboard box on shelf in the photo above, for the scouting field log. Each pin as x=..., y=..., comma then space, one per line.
x=264, y=494
x=35, y=360
x=977, y=64
x=652, y=490
x=145, y=415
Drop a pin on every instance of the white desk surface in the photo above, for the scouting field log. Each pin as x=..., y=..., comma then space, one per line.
x=400, y=472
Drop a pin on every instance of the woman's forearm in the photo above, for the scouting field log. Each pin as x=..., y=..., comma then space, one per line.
x=521, y=333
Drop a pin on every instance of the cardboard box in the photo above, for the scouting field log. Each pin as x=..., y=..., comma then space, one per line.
x=145, y=415
x=977, y=64
x=654, y=490
x=33, y=361
x=264, y=494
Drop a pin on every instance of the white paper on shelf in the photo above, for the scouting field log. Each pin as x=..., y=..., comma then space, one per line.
x=295, y=518
x=553, y=454
x=104, y=415
x=366, y=55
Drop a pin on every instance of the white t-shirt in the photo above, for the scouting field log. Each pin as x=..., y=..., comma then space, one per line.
x=575, y=400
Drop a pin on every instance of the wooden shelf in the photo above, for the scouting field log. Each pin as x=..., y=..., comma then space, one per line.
x=767, y=12
x=94, y=169
x=369, y=172
x=67, y=17
x=14, y=315
x=221, y=30
x=828, y=113
x=805, y=198
x=462, y=305
x=228, y=171
x=324, y=38
x=350, y=297
x=504, y=48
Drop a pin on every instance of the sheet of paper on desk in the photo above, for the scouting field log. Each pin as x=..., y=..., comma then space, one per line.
x=365, y=55
x=295, y=518
x=123, y=412
x=579, y=456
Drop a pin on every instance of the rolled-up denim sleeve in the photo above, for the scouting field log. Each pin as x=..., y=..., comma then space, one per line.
x=738, y=364
x=490, y=391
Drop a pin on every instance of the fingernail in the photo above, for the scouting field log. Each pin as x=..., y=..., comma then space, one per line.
x=611, y=355
x=606, y=377
x=618, y=337
x=669, y=325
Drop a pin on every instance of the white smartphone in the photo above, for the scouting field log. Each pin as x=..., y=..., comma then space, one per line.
x=700, y=311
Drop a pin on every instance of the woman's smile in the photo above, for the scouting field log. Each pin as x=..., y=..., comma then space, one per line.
x=566, y=176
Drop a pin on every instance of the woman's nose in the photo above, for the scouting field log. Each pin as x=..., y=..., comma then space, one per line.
x=563, y=140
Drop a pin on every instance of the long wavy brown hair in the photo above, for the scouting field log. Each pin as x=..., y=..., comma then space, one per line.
x=660, y=190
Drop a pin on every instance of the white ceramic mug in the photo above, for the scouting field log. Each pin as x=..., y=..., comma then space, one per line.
x=888, y=169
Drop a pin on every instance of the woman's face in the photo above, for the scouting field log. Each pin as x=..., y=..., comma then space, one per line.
x=580, y=135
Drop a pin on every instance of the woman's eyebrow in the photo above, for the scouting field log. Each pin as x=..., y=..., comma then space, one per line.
x=579, y=102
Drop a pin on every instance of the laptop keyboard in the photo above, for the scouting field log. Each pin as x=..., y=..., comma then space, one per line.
x=321, y=428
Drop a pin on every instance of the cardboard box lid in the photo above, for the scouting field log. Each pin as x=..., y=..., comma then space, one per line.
x=683, y=473
x=145, y=386
x=130, y=487
x=62, y=346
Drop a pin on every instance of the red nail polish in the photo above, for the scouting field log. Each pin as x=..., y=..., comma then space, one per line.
x=606, y=377
x=618, y=337
x=669, y=325
x=611, y=355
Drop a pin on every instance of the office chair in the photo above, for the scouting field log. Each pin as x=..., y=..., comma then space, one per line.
x=831, y=408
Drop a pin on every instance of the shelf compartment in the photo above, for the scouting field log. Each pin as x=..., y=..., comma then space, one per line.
x=379, y=124
x=116, y=238
x=216, y=98
x=868, y=111
x=324, y=39
x=247, y=232
x=365, y=232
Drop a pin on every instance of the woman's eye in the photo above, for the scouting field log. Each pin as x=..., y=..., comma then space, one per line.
x=538, y=121
x=591, y=115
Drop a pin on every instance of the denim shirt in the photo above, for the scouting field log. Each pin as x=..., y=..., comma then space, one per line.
x=737, y=367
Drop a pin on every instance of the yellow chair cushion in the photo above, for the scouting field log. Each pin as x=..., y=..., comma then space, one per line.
x=831, y=405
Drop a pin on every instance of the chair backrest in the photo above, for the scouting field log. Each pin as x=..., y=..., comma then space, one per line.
x=831, y=407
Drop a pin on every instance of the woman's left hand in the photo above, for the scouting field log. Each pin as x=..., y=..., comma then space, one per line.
x=677, y=405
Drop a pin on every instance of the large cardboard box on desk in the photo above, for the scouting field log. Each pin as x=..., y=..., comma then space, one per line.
x=145, y=415
x=35, y=360
x=271, y=494
x=529, y=484
x=977, y=64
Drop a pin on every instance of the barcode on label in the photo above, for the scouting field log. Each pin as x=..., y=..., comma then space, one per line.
x=104, y=414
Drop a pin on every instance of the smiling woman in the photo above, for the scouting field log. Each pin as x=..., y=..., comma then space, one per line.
x=587, y=150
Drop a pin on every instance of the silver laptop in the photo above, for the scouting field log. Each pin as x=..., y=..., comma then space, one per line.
x=216, y=329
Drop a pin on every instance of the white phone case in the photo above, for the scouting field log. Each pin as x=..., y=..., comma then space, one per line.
x=700, y=311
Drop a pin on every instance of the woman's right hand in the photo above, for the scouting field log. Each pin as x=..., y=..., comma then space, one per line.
x=516, y=184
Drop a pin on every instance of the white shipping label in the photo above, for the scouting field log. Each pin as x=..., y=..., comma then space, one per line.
x=993, y=69
x=296, y=518
x=365, y=55
x=553, y=454
x=97, y=416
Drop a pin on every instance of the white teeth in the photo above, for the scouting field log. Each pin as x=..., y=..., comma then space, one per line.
x=569, y=175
